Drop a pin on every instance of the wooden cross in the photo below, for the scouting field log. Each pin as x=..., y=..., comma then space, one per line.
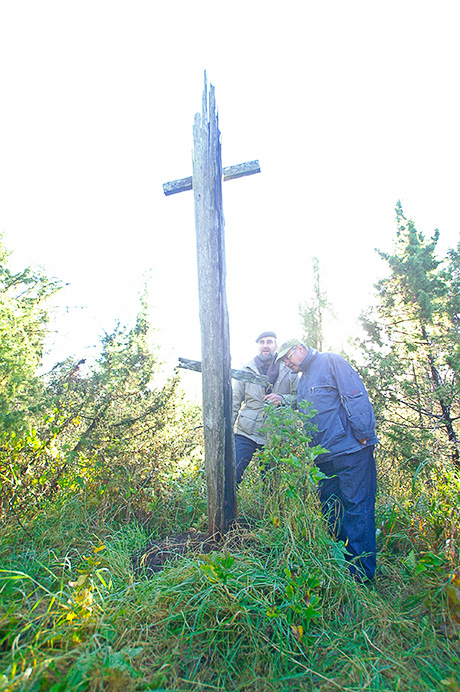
x=206, y=183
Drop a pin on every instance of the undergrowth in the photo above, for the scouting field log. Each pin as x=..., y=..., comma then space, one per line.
x=273, y=609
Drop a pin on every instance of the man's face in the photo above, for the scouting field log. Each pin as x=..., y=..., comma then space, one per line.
x=267, y=347
x=294, y=358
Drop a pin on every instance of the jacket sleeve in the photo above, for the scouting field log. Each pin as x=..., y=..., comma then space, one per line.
x=287, y=386
x=289, y=399
x=354, y=398
x=238, y=398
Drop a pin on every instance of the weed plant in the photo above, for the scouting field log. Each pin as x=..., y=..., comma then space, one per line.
x=273, y=609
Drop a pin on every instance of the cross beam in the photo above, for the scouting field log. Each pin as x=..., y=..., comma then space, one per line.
x=206, y=182
x=241, y=375
x=229, y=173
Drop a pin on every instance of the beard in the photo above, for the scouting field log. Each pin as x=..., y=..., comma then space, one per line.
x=265, y=358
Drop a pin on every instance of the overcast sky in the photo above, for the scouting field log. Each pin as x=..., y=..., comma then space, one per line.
x=348, y=106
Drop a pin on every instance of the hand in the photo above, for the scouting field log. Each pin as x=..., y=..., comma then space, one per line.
x=363, y=442
x=275, y=399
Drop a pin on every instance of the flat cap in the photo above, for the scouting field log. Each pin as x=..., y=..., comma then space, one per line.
x=265, y=334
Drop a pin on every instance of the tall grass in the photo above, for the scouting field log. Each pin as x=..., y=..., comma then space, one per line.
x=273, y=609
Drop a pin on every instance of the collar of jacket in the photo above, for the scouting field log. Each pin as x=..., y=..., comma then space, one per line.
x=307, y=361
x=252, y=366
x=283, y=371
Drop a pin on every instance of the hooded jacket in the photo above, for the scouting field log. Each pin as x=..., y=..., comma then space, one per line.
x=344, y=413
x=248, y=401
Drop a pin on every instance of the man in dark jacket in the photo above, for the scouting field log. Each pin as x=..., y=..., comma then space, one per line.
x=345, y=427
x=250, y=400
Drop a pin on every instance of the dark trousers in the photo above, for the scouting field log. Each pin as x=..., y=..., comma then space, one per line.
x=348, y=501
x=244, y=450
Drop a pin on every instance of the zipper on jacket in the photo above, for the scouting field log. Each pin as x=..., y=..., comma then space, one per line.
x=321, y=386
x=345, y=406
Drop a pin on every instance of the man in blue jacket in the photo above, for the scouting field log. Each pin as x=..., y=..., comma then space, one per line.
x=345, y=427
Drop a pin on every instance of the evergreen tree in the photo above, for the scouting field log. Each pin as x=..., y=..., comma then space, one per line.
x=114, y=425
x=119, y=421
x=24, y=315
x=413, y=345
x=312, y=313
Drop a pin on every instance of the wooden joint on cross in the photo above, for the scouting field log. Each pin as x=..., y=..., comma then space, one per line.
x=230, y=173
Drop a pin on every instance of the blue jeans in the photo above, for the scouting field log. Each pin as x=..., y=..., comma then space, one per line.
x=244, y=450
x=348, y=502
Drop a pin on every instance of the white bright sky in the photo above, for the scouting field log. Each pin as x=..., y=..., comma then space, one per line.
x=348, y=106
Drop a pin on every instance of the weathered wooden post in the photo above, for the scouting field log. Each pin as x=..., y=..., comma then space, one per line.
x=206, y=182
x=215, y=333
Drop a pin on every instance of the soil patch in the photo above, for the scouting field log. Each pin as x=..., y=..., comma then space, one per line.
x=154, y=557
